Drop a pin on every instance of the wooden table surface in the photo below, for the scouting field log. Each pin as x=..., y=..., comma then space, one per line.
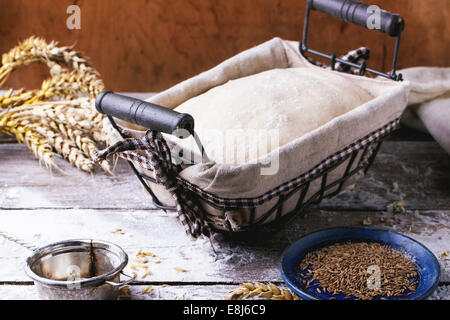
x=42, y=207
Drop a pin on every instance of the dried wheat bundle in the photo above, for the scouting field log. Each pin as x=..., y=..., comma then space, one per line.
x=60, y=116
x=76, y=113
x=269, y=291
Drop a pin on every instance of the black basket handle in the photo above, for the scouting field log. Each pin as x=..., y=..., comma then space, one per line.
x=142, y=113
x=357, y=13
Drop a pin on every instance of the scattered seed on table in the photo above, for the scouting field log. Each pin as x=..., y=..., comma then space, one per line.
x=142, y=266
x=367, y=221
x=147, y=290
x=124, y=290
x=141, y=260
x=156, y=260
x=399, y=207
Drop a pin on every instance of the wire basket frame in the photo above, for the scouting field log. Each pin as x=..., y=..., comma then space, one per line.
x=357, y=159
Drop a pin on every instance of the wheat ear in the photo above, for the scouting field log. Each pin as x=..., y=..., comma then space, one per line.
x=76, y=136
x=11, y=99
x=65, y=147
x=37, y=143
x=269, y=291
x=36, y=49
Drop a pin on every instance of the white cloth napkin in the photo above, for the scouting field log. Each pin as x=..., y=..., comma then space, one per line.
x=429, y=102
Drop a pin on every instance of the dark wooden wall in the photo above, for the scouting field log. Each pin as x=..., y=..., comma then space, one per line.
x=148, y=45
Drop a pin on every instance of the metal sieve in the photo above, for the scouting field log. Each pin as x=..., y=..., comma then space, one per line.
x=76, y=269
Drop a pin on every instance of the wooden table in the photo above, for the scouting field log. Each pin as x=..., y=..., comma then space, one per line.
x=42, y=207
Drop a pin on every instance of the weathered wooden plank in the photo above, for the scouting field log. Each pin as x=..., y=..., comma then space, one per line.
x=416, y=172
x=170, y=292
x=26, y=175
x=187, y=292
x=256, y=258
x=26, y=184
x=6, y=139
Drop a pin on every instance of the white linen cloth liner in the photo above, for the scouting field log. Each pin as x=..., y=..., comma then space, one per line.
x=298, y=156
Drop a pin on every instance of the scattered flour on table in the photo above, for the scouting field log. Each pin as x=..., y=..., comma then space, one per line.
x=223, y=255
x=441, y=293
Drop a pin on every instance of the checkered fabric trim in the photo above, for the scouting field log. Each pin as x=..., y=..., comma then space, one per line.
x=357, y=56
x=158, y=159
x=227, y=203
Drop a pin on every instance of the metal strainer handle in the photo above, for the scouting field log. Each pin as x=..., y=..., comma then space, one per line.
x=122, y=283
x=20, y=242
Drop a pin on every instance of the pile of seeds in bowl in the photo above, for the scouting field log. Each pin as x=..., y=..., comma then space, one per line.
x=361, y=270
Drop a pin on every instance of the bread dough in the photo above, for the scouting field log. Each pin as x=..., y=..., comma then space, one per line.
x=239, y=121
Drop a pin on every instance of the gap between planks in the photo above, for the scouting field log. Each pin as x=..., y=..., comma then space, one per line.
x=187, y=292
x=176, y=283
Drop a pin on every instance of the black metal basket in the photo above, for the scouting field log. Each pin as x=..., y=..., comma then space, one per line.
x=348, y=162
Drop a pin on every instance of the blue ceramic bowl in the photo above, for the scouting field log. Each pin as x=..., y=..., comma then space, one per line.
x=427, y=265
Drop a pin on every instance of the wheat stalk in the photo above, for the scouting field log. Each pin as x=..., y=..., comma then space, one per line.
x=65, y=147
x=72, y=84
x=60, y=116
x=249, y=290
x=75, y=135
x=12, y=99
x=37, y=143
x=77, y=112
x=82, y=78
x=69, y=141
x=36, y=49
x=73, y=113
x=69, y=85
